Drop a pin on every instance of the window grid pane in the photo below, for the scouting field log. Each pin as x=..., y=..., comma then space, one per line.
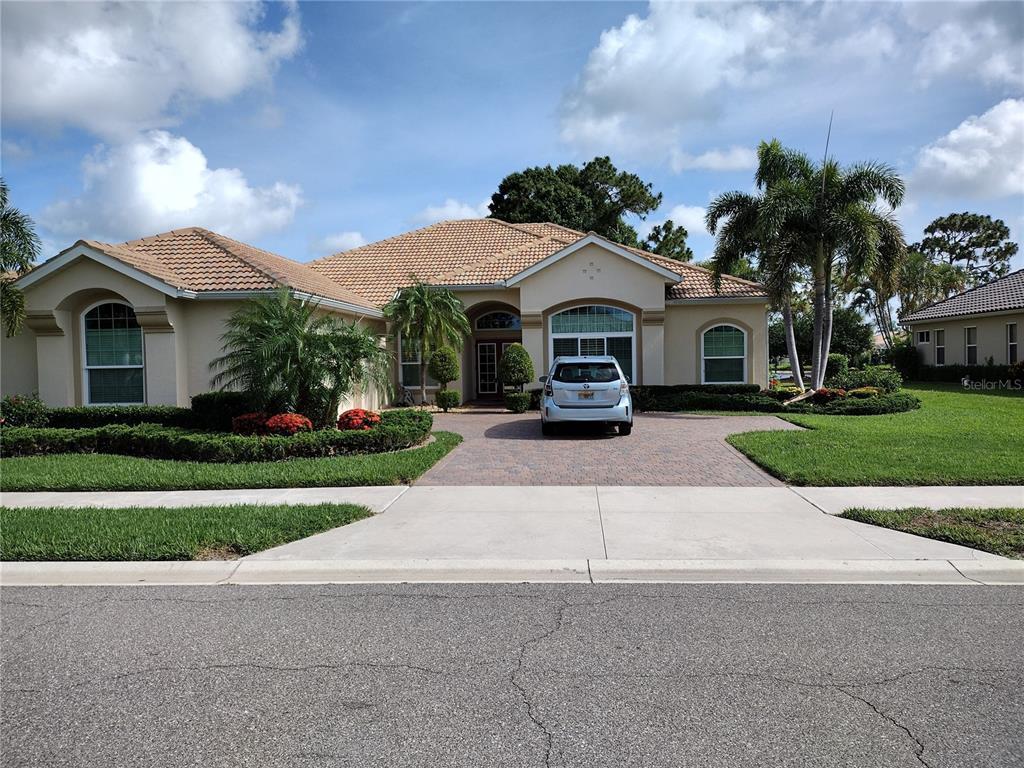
x=720, y=370
x=565, y=347
x=592, y=319
x=622, y=350
x=116, y=385
x=591, y=346
x=723, y=341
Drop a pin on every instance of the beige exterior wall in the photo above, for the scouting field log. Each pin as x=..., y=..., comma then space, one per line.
x=684, y=325
x=180, y=338
x=991, y=338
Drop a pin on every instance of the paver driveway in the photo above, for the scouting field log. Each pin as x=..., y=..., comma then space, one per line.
x=664, y=449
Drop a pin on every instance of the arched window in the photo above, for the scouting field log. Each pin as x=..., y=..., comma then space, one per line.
x=498, y=321
x=595, y=329
x=114, y=368
x=724, y=355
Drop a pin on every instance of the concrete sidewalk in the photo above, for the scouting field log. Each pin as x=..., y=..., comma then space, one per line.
x=573, y=533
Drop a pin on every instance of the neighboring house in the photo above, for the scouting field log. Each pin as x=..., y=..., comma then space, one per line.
x=141, y=321
x=972, y=327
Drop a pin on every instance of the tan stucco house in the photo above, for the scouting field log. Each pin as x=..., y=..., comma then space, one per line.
x=139, y=322
x=972, y=327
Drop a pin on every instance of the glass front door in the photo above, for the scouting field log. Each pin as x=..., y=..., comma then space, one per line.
x=488, y=358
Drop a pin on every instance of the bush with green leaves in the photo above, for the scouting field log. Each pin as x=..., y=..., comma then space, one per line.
x=444, y=366
x=884, y=377
x=446, y=399
x=101, y=415
x=215, y=410
x=837, y=365
x=517, y=402
x=23, y=411
x=280, y=347
x=516, y=367
x=660, y=397
x=398, y=429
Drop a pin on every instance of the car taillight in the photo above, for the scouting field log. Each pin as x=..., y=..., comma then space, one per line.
x=548, y=391
x=623, y=387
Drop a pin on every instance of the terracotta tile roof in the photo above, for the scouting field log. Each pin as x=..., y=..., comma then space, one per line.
x=196, y=259
x=485, y=251
x=1002, y=295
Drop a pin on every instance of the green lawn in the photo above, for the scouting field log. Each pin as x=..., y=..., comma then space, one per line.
x=956, y=438
x=137, y=533
x=104, y=472
x=999, y=531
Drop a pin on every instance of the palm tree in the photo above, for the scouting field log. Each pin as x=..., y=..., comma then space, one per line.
x=19, y=247
x=745, y=233
x=292, y=356
x=428, y=317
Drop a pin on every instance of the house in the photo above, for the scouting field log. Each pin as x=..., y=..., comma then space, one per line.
x=972, y=327
x=140, y=322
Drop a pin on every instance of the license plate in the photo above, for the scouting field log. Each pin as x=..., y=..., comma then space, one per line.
x=586, y=395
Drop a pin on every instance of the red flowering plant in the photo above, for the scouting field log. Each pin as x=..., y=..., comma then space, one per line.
x=288, y=424
x=250, y=424
x=826, y=395
x=358, y=418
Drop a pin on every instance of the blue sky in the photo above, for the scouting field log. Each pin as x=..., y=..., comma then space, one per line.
x=309, y=128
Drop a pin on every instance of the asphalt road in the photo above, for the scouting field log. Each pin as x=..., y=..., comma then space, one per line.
x=513, y=675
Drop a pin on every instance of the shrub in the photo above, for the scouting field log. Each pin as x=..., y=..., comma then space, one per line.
x=250, y=424
x=23, y=411
x=516, y=368
x=837, y=365
x=398, y=429
x=358, y=418
x=444, y=366
x=215, y=410
x=863, y=392
x=659, y=397
x=906, y=358
x=102, y=415
x=885, y=377
x=897, y=402
x=517, y=402
x=826, y=395
x=288, y=424
x=954, y=373
x=447, y=399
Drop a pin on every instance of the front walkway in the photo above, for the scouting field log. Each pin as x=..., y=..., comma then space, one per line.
x=664, y=449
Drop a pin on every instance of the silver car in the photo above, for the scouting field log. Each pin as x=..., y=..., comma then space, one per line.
x=586, y=389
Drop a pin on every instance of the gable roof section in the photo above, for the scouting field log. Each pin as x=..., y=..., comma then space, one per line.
x=493, y=252
x=1002, y=295
x=195, y=261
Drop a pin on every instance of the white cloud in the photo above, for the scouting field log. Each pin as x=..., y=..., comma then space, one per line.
x=342, y=241
x=116, y=68
x=968, y=39
x=452, y=209
x=691, y=217
x=982, y=157
x=157, y=182
x=732, y=159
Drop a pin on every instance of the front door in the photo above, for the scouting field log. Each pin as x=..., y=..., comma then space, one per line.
x=488, y=358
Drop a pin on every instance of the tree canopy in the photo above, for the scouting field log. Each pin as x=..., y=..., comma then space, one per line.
x=594, y=197
x=973, y=243
x=669, y=240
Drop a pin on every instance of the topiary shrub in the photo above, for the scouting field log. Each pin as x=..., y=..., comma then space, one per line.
x=288, y=424
x=23, y=411
x=101, y=415
x=444, y=366
x=446, y=399
x=837, y=365
x=517, y=402
x=516, y=368
x=358, y=418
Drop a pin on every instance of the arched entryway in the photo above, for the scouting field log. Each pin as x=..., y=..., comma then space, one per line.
x=495, y=328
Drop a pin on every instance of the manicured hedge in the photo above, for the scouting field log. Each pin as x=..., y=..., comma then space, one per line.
x=955, y=373
x=398, y=429
x=215, y=410
x=897, y=402
x=131, y=415
x=658, y=397
x=765, y=403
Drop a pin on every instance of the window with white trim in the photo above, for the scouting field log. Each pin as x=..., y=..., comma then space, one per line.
x=595, y=329
x=924, y=337
x=723, y=352
x=1011, y=343
x=114, y=364
x=409, y=370
x=971, y=345
x=940, y=347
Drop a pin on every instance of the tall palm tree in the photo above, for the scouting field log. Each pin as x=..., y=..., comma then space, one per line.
x=19, y=247
x=745, y=233
x=428, y=317
x=827, y=218
x=290, y=355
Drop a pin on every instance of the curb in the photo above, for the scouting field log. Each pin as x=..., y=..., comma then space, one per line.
x=254, y=572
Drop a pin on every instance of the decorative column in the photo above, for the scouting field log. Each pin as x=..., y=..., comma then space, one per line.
x=161, y=356
x=532, y=324
x=55, y=356
x=653, y=339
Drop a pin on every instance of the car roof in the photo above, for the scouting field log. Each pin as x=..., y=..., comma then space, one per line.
x=585, y=359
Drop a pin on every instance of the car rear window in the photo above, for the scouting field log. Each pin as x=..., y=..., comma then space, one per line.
x=579, y=373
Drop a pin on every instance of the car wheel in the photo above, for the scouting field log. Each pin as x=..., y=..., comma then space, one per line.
x=625, y=427
x=547, y=428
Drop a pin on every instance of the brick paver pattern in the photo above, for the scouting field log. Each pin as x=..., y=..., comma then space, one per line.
x=663, y=449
